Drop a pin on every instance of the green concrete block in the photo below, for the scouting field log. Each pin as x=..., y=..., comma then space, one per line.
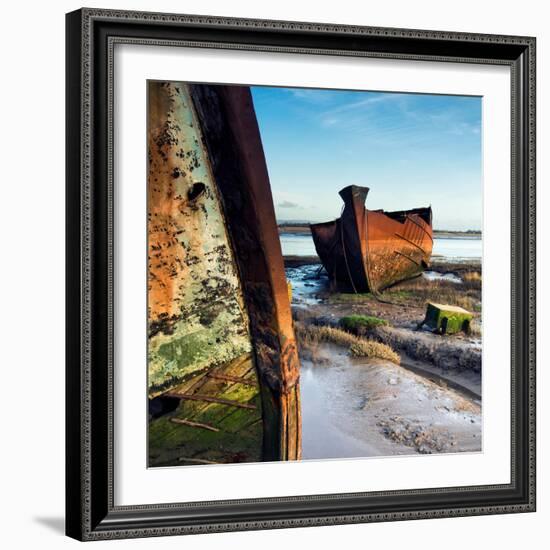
x=447, y=319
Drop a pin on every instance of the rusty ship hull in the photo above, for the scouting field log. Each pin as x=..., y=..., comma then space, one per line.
x=370, y=250
x=223, y=367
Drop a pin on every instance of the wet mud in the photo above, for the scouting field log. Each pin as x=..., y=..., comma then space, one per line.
x=359, y=407
x=367, y=408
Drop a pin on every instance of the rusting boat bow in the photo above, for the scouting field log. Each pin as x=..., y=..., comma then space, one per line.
x=223, y=367
x=370, y=250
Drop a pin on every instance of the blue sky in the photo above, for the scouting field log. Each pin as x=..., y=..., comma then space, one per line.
x=410, y=149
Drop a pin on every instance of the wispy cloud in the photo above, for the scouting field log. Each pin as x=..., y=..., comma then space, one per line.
x=366, y=102
x=464, y=128
x=288, y=204
x=401, y=118
x=411, y=149
x=313, y=95
x=361, y=113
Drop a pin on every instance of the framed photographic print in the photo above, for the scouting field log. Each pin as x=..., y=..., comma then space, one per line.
x=300, y=274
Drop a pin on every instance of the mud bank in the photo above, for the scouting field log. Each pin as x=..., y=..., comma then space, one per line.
x=366, y=407
x=456, y=358
x=432, y=348
x=353, y=407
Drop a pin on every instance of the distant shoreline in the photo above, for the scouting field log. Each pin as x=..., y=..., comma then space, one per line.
x=303, y=229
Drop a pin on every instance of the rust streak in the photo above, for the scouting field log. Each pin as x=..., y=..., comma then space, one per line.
x=423, y=228
x=408, y=257
x=411, y=242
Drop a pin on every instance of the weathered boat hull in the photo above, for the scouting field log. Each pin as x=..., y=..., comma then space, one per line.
x=223, y=363
x=370, y=250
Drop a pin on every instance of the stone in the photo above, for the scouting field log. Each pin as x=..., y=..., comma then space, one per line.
x=447, y=319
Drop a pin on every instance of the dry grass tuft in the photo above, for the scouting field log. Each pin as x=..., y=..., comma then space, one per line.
x=472, y=280
x=370, y=348
x=309, y=337
x=420, y=291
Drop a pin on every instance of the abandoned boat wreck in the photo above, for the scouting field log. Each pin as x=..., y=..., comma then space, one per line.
x=223, y=367
x=370, y=250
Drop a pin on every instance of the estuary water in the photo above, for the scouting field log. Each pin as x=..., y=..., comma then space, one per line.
x=466, y=248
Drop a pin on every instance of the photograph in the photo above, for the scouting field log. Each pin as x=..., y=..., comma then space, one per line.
x=314, y=280
x=286, y=258
x=300, y=271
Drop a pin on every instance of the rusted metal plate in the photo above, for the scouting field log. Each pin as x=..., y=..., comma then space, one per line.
x=369, y=250
x=397, y=250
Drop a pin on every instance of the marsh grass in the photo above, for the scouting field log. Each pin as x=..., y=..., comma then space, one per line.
x=396, y=295
x=309, y=337
x=472, y=280
x=417, y=292
x=466, y=295
x=349, y=298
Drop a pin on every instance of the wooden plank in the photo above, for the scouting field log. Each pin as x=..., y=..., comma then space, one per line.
x=221, y=389
x=210, y=399
x=230, y=378
x=193, y=410
x=194, y=424
x=236, y=419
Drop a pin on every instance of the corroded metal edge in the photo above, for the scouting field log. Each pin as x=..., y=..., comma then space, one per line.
x=231, y=138
x=87, y=18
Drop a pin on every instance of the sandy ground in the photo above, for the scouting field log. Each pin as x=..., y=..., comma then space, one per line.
x=363, y=407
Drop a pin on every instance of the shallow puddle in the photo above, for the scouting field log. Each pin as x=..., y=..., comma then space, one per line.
x=307, y=281
x=436, y=276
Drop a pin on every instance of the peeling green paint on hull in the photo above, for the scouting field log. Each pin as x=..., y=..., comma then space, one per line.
x=196, y=313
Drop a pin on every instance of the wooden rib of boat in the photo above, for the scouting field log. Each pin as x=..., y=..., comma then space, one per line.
x=223, y=367
x=370, y=250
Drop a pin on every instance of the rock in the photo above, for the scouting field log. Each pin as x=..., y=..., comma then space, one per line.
x=447, y=319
